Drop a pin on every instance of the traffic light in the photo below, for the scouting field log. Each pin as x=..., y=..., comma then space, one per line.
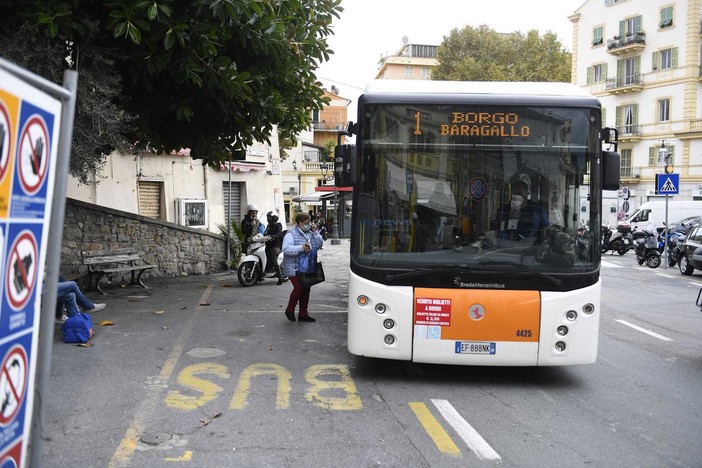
x=669, y=169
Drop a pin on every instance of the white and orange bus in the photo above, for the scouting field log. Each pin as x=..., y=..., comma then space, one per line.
x=445, y=267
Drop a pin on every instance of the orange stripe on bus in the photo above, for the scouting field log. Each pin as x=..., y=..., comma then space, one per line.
x=479, y=314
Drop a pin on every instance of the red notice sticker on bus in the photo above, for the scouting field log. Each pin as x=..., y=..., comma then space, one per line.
x=432, y=311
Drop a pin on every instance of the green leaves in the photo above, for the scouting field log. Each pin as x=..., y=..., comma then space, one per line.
x=481, y=54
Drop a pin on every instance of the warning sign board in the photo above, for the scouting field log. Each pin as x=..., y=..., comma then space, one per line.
x=29, y=126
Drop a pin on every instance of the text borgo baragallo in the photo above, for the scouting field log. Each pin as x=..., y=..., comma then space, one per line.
x=432, y=311
x=498, y=124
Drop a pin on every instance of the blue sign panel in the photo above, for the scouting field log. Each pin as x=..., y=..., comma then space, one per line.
x=667, y=184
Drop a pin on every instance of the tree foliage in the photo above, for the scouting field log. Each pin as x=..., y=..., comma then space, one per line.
x=482, y=54
x=210, y=75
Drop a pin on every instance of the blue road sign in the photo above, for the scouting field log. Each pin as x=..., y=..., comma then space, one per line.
x=667, y=184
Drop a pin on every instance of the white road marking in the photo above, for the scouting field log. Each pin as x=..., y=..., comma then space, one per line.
x=469, y=435
x=665, y=275
x=648, y=332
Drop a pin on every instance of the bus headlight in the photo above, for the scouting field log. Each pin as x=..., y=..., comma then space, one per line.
x=571, y=315
x=380, y=308
x=560, y=346
x=389, y=339
x=562, y=330
x=388, y=323
x=588, y=308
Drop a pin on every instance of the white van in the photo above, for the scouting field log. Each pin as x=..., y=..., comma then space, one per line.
x=654, y=212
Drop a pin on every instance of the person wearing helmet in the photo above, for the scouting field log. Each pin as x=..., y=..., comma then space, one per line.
x=273, y=247
x=249, y=225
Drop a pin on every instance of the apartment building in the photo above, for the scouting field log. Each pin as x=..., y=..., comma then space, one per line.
x=411, y=62
x=641, y=58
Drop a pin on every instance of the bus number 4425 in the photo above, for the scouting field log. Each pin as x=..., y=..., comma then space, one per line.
x=524, y=333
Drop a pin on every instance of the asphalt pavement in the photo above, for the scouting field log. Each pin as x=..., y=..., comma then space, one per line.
x=105, y=398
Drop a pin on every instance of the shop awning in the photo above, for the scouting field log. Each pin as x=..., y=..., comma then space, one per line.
x=314, y=197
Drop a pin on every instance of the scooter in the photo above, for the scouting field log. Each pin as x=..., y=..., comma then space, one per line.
x=620, y=241
x=647, y=248
x=252, y=268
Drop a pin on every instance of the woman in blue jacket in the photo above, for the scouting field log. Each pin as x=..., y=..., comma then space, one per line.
x=300, y=239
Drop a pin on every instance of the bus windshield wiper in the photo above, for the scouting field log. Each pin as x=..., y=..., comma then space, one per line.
x=423, y=271
x=523, y=267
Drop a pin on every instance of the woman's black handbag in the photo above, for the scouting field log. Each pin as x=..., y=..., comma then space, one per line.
x=308, y=280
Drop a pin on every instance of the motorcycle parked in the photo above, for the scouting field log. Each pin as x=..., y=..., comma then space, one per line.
x=675, y=240
x=620, y=241
x=252, y=268
x=647, y=248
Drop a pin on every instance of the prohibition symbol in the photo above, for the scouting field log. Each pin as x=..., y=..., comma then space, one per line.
x=21, y=270
x=13, y=383
x=33, y=154
x=478, y=188
x=5, y=135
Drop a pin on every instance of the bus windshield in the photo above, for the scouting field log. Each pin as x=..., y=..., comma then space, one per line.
x=482, y=188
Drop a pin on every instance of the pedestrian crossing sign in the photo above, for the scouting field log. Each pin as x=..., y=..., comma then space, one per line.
x=667, y=184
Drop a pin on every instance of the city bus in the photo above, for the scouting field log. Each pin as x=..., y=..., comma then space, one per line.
x=447, y=264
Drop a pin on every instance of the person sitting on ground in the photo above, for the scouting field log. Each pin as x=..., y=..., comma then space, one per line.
x=72, y=298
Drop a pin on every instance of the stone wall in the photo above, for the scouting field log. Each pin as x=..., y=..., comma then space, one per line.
x=177, y=250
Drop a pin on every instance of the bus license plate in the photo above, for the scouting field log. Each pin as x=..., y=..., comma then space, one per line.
x=472, y=347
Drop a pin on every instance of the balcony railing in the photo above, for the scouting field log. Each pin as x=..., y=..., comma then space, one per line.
x=629, y=43
x=633, y=129
x=332, y=126
x=625, y=83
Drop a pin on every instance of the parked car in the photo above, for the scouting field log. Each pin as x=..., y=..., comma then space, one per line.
x=691, y=251
x=685, y=223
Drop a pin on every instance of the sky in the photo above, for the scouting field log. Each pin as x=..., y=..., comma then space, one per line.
x=369, y=29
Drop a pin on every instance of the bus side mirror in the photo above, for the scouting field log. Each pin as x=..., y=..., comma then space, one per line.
x=344, y=164
x=610, y=170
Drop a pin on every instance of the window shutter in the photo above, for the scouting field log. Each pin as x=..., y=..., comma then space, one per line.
x=637, y=24
x=618, y=117
x=635, y=112
x=652, y=156
x=637, y=66
x=620, y=68
x=589, y=75
x=674, y=57
x=622, y=28
x=655, y=60
x=604, y=117
x=604, y=72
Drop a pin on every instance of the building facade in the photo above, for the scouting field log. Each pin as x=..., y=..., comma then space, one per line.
x=641, y=58
x=411, y=62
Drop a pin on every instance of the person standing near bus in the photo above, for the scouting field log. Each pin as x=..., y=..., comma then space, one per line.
x=302, y=238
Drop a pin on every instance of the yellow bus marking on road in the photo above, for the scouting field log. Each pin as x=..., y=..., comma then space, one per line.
x=282, y=394
x=187, y=378
x=128, y=444
x=318, y=378
x=187, y=456
x=435, y=430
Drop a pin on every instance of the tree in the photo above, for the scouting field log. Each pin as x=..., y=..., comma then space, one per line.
x=482, y=54
x=210, y=75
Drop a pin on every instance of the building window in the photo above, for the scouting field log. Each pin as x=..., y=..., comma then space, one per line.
x=665, y=59
x=627, y=119
x=630, y=26
x=597, y=73
x=598, y=36
x=409, y=72
x=426, y=73
x=653, y=154
x=625, y=166
x=666, y=17
x=664, y=110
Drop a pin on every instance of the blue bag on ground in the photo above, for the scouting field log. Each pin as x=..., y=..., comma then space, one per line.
x=77, y=329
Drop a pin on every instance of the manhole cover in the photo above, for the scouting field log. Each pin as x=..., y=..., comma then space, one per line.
x=155, y=438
